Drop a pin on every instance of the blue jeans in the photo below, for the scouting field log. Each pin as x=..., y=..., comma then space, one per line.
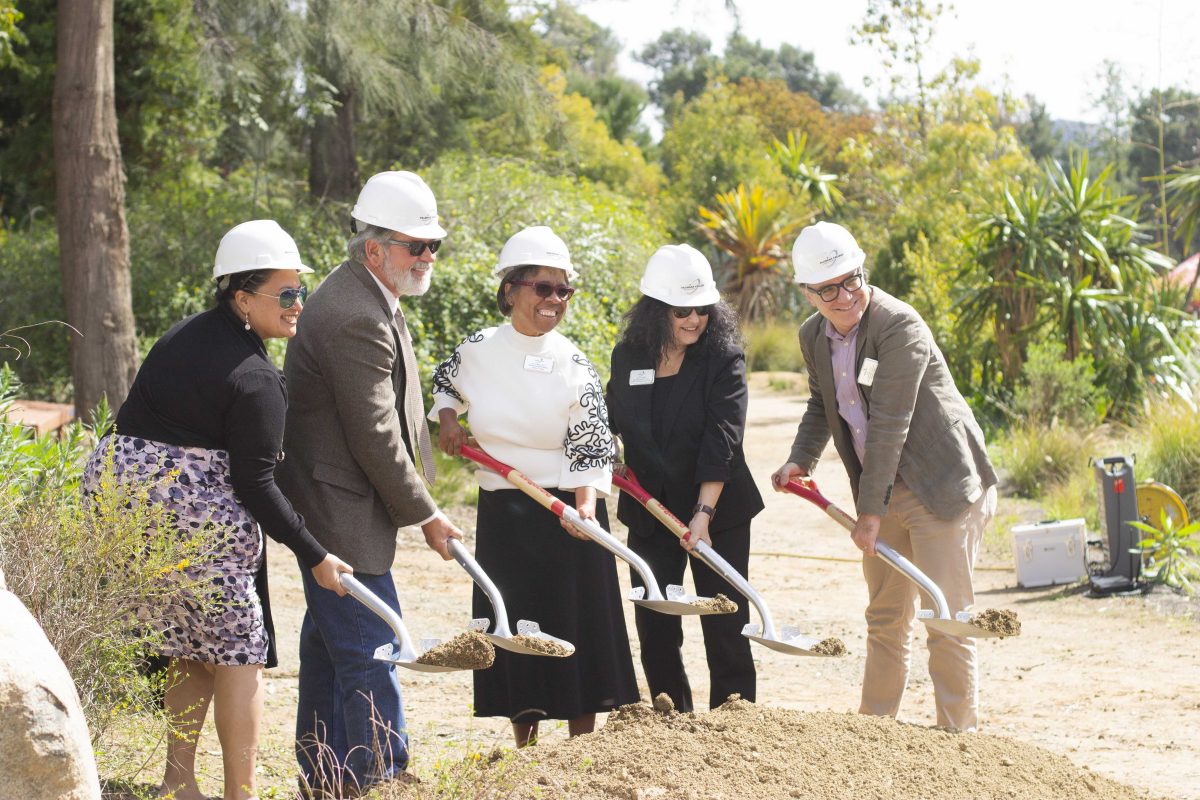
x=350, y=730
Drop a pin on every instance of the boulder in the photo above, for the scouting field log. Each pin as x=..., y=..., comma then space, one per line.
x=45, y=750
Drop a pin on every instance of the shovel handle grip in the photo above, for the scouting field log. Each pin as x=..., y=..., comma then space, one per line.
x=516, y=478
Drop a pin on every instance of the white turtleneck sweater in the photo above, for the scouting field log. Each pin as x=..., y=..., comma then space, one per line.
x=532, y=402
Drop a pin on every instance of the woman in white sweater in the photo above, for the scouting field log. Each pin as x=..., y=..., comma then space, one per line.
x=534, y=401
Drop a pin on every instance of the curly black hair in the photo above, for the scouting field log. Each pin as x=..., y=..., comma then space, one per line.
x=648, y=326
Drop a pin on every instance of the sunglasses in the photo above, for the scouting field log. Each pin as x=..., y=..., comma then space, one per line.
x=288, y=297
x=543, y=289
x=683, y=312
x=417, y=248
x=829, y=292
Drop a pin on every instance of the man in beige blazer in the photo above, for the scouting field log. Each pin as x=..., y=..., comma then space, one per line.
x=916, y=459
x=358, y=458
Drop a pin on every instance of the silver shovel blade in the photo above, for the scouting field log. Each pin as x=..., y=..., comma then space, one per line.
x=959, y=626
x=524, y=628
x=391, y=654
x=790, y=640
x=675, y=607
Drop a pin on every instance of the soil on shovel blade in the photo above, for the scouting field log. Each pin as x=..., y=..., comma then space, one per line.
x=744, y=750
x=830, y=647
x=468, y=650
x=718, y=603
x=540, y=645
x=998, y=620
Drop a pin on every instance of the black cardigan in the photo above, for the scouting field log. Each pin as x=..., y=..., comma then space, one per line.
x=208, y=383
x=703, y=441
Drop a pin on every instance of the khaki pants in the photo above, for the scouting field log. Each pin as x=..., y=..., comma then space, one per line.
x=945, y=550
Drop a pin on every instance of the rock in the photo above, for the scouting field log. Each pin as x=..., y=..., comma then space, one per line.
x=45, y=750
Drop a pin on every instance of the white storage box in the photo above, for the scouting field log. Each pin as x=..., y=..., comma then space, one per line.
x=1049, y=552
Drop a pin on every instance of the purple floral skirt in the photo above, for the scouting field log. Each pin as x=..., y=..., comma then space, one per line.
x=193, y=485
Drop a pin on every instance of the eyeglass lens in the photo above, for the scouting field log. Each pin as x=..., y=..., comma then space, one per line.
x=543, y=289
x=829, y=293
x=417, y=248
x=288, y=297
x=683, y=312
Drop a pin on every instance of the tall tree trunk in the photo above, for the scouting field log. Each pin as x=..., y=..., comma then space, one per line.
x=93, y=239
x=333, y=162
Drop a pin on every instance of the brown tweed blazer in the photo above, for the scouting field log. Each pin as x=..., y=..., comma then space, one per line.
x=919, y=426
x=349, y=467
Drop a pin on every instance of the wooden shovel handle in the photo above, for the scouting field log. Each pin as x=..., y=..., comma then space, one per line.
x=628, y=484
x=807, y=488
x=516, y=478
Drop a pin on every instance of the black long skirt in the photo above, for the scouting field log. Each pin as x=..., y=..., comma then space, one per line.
x=569, y=587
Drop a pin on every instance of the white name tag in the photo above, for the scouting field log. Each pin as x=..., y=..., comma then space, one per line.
x=866, y=374
x=539, y=363
x=641, y=377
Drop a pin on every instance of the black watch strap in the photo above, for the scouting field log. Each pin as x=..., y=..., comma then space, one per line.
x=700, y=507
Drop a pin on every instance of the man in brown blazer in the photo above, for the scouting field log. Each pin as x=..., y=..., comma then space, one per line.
x=358, y=457
x=916, y=459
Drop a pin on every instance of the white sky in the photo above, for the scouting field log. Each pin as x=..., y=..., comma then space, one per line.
x=1050, y=48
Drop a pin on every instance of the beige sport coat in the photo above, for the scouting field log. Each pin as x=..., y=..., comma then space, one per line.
x=348, y=464
x=919, y=426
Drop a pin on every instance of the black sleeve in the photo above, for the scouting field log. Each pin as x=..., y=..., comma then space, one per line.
x=726, y=411
x=253, y=436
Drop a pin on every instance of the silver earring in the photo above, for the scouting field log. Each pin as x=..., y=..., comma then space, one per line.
x=247, y=321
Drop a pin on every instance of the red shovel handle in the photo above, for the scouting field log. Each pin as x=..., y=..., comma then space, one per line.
x=807, y=488
x=628, y=484
x=516, y=478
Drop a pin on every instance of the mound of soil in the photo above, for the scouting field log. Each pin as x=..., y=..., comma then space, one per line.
x=468, y=650
x=544, y=646
x=830, y=647
x=743, y=750
x=719, y=604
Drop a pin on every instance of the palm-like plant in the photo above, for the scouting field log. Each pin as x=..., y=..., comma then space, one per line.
x=1062, y=259
x=799, y=162
x=752, y=228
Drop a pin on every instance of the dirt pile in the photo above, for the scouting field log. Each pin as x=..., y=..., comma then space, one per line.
x=830, y=647
x=468, y=650
x=545, y=647
x=743, y=750
x=998, y=620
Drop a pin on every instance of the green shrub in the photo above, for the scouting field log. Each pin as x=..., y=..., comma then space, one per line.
x=773, y=347
x=1074, y=496
x=1037, y=456
x=1055, y=389
x=1171, y=433
x=1171, y=554
x=81, y=567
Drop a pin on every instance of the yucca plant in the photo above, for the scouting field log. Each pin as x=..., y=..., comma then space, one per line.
x=752, y=228
x=799, y=162
x=1170, y=554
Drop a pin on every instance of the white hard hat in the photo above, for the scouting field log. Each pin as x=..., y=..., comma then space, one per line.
x=536, y=246
x=679, y=275
x=258, y=244
x=401, y=202
x=824, y=251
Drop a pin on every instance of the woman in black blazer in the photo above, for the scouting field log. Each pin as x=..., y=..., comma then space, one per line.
x=677, y=398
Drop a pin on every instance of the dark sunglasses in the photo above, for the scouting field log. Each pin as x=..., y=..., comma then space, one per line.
x=288, y=297
x=543, y=288
x=683, y=312
x=830, y=292
x=417, y=248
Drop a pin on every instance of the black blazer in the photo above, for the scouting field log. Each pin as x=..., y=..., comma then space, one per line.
x=703, y=443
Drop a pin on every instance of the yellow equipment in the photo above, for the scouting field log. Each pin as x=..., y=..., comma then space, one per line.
x=1153, y=499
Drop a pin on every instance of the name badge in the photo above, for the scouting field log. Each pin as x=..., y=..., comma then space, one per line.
x=866, y=374
x=641, y=377
x=539, y=363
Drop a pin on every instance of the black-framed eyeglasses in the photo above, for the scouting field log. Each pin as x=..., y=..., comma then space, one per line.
x=829, y=292
x=544, y=289
x=683, y=312
x=417, y=248
x=288, y=297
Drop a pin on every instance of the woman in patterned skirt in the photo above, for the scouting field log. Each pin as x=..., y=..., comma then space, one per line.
x=534, y=402
x=201, y=430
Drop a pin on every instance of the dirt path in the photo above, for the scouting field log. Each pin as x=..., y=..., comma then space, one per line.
x=1108, y=683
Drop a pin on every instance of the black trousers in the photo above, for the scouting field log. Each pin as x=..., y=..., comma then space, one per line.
x=730, y=664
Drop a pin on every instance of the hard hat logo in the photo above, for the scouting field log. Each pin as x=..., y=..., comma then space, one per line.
x=693, y=287
x=832, y=258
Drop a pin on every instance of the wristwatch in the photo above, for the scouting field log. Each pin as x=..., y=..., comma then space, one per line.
x=700, y=507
